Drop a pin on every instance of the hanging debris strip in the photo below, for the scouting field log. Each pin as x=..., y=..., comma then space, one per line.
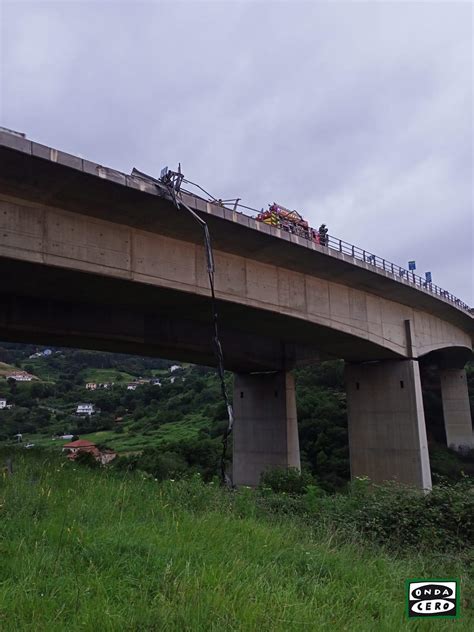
x=170, y=184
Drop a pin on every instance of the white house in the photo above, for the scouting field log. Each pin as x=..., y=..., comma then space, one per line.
x=91, y=386
x=132, y=387
x=3, y=403
x=174, y=367
x=39, y=354
x=85, y=409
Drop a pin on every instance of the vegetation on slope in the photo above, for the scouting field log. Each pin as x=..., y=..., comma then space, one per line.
x=86, y=549
x=176, y=421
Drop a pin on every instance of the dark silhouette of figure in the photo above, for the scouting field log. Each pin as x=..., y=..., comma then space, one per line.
x=323, y=235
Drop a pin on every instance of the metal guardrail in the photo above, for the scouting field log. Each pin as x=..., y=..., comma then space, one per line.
x=355, y=252
x=394, y=269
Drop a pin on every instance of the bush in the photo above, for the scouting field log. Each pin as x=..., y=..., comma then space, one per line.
x=86, y=458
x=163, y=465
x=451, y=465
x=400, y=518
x=289, y=481
x=394, y=516
x=280, y=504
x=126, y=463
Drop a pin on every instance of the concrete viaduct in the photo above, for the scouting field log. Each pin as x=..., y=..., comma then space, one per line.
x=93, y=258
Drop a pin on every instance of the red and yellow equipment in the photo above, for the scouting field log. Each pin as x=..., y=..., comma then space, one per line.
x=290, y=221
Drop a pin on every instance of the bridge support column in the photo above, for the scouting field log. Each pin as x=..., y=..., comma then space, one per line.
x=387, y=433
x=456, y=409
x=265, y=427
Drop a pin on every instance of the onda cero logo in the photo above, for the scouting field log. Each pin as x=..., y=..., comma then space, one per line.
x=432, y=598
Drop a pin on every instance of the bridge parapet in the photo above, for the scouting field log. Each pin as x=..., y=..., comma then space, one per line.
x=335, y=247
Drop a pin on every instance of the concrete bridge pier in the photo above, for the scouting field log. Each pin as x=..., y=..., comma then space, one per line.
x=456, y=409
x=266, y=425
x=387, y=433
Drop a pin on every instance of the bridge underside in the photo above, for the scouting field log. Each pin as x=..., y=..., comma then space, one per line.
x=41, y=303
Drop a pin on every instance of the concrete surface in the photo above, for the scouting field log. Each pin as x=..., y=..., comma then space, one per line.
x=339, y=318
x=265, y=427
x=46, y=174
x=456, y=409
x=387, y=433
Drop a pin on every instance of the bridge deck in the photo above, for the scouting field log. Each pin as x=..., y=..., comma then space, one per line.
x=47, y=175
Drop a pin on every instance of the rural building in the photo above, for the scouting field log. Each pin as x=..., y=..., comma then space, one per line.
x=106, y=456
x=175, y=367
x=83, y=446
x=85, y=409
x=132, y=386
x=75, y=448
x=20, y=376
x=93, y=386
x=3, y=403
x=40, y=354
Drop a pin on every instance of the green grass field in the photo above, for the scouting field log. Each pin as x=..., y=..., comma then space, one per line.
x=129, y=440
x=86, y=550
x=107, y=375
x=42, y=368
x=7, y=369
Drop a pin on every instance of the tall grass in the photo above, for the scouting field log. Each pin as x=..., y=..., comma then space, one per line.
x=83, y=549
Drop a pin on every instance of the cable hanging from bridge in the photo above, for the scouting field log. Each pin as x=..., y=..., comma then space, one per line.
x=171, y=182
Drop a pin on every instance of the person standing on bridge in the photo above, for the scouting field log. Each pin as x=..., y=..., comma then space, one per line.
x=323, y=235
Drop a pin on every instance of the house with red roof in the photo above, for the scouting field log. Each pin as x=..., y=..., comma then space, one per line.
x=74, y=448
x=81, y=446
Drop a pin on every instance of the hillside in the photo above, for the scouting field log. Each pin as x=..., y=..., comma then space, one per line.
x=173, y=415
x=6, y=369
x=86, y=549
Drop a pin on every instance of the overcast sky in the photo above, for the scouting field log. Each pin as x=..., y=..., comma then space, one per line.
x=359, y=115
